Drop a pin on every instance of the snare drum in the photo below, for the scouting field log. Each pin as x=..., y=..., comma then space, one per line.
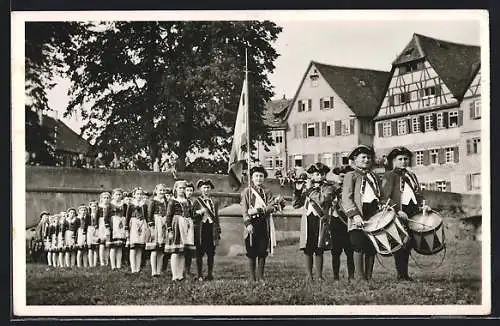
x=427, y=233
x=386, y=232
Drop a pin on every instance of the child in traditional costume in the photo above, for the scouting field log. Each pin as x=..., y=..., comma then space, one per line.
x=258, y=204
x=54, y=222
x=116, y=224
x=360, y=200
x=188, y=254
x=81, y=236
x=103, y=215
x=45, y=229
x=93, y=233
x=157, y=221
x=137, y=227
x=70, y=238
x=207, y=230
x=180, y=229
x=62, y=226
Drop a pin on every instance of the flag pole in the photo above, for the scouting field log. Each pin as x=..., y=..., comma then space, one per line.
x=247, y=117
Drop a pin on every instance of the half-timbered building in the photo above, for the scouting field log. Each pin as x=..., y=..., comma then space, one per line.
x=432, y=106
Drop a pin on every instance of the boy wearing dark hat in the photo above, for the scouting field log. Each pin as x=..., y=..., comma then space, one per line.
x=360, y=201
x=207, y=228
x=258, y=204
x=401, y=187
x=340, y=237
x=188, y=254
x=317, y=198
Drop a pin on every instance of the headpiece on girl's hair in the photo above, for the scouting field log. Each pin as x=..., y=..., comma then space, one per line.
x=318, y=167
x=83, y=206
x=205, y=182
x=71, y=209
x=361, y=149
x=104, y=193
x=258, y=168
x=136, y=189
x=158, y=186
x=177, y=184
x=117, y=190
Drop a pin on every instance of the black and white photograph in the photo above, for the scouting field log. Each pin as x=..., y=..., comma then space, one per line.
x=251, y=163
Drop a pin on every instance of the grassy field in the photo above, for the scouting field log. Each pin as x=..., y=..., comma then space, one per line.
x=457, y=281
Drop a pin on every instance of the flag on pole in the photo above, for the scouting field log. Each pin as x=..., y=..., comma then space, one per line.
x=238, y=154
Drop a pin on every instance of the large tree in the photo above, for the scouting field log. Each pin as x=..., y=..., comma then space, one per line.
x=46, y=44
x=170, y=87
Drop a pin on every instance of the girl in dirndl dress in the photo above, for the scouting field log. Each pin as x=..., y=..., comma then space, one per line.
x=81, y=235
x=70, y=238
x=92, y=235
x=54, y=219
x=62, y=226
x=138, y=229
x=45, y=237
x=157, y=221
x=48, y=235
x=116, y=223
x=103, y=215
x=189, y=254
x=180, y=230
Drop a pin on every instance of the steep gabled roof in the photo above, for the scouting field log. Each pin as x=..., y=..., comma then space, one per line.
x=275, y=112
x=455, y=63
x=66, y=140
x=361, y=89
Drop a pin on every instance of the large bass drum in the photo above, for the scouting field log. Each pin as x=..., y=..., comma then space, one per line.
x=386, y=232
x=427, y=233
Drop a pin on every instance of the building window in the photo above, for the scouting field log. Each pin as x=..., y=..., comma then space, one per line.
x=474, y=146
x=278, y=136
x=301, y=106
x=326, y=103
x=329, y=128
x=423, y=186
x=404, y=98
x=441, y=185
x=419, y=158
x=428, y=122
x=449, y=155
x=402, y=127
x=346, y=130
x=415, y=124
x=476, y=181
x=430, y=91
x=386, y=128
x=314, y=80
x=475, y=109
x=327, y=159
x=311, y=132
x=278, y=162
x=297, y=161
x=434, y=156
x=439, y=120
x=269, y=163
x=345, y=159
x=453, y=119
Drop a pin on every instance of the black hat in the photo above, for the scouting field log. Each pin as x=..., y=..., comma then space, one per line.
x=398, y=151
x=318, y=167
x=302, y=177
x=361, y=149
x=258, y=168
x=203, y=182
x=342, y=169
x=189, y=184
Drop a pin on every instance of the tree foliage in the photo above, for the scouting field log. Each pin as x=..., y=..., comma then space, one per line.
x=170, y=87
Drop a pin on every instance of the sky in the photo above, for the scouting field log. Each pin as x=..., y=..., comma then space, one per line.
x=358, y=43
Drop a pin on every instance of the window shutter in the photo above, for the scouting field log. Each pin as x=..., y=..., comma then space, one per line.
x=434, y=121
x=321, y=103
x=426, y=157
x=323, y=128
x=455, y=154
x=413, y=161
x=309, y=105
x=391, y=100
x=380, y=129
x=468, y=181
x=338, y=127
x=446, y=121
x=290, y=163
x=316, y=129
x=421, y=119
x=295, y=131
x=408, y=124
x=422, y=93
x=351, y=127
x=331, y=102
x=469, y=146
x=460, y=118
x=394, y=128
x=441, y=158
x=438, y=90
x=471, y=110
x=300, y=105
x=448, y=186
x=304, y=130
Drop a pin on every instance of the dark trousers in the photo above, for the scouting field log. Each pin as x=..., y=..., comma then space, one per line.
x=401, y=257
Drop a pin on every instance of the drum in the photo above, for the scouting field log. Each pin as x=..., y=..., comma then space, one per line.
x=427, y=233
x=386, y=232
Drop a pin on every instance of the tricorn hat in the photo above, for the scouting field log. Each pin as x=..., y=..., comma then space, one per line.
x=318, y=167
x=189, y=184
x=203, y=182
x=342, y=169
x=361, y=149
x=258, y=168
x=302, y=177
x=398, y=151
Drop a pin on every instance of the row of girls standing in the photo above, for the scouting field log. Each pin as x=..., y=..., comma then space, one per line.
x=164, y=224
